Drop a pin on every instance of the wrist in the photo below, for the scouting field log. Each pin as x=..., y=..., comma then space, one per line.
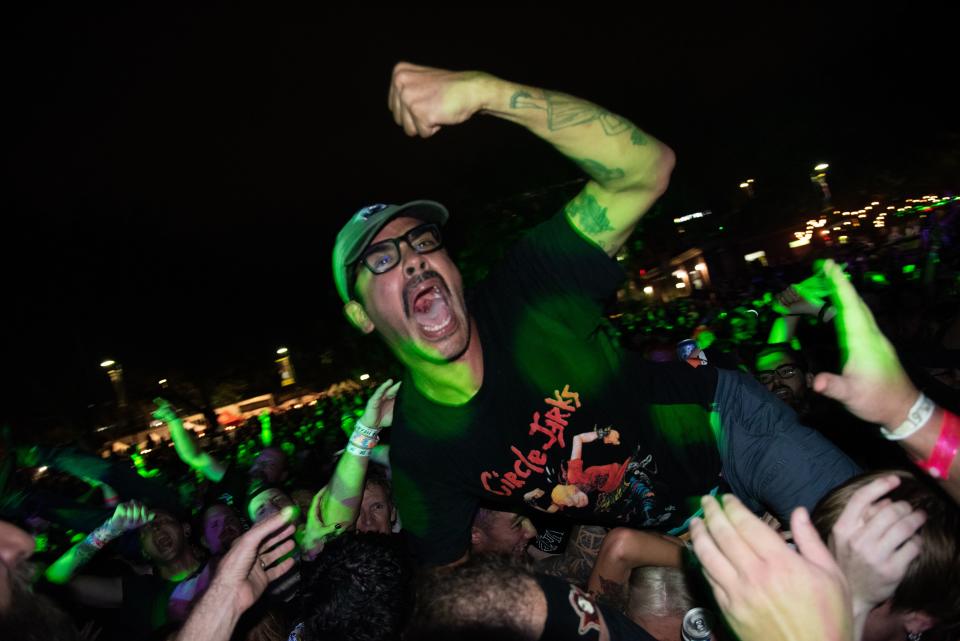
x=910, y=411
x=101, y=536
x=491, y=94
x=861, y=607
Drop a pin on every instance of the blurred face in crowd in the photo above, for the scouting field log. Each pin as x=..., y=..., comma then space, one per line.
x=377, y=513
x=21, y=611
x=267, y=503
x=418, y=306
x=743, y=326
x=502, y=533
x=221, y=527
x=164, y=538
x=270, y=465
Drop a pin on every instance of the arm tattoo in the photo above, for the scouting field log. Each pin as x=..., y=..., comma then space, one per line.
x=565, y=111
x=589, y=215
x=598, y=171
x=84, y=552
x=578, y=559
x=614, y=594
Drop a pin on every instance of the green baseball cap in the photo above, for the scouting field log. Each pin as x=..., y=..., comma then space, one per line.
x=367, y=223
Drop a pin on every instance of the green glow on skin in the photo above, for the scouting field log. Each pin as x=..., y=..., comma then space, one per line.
x=909, y=269
x=266, y=434
x=141, y=466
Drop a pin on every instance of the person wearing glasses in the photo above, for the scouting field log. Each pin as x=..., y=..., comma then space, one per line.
x=784, y=372
x=499, y=379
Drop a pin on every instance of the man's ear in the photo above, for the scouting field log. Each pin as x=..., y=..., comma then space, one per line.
x=809, y=381
x=358, y=317
x=475, y=536
x=918, y=621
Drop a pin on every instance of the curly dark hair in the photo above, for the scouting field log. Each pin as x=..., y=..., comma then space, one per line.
x=358, y=589
x=489, y=596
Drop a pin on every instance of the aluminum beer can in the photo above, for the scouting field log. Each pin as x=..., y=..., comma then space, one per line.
x=697, y=625
x=686, y=349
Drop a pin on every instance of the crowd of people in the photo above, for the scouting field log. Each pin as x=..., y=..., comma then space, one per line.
x=760, y=463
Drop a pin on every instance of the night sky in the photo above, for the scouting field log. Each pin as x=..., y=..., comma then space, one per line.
x=175, y=177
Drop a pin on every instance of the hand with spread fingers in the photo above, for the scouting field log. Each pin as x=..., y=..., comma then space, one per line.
x=874, y=541
x=767, y=591
x=873, y=384
x=128, y=516
x=257, y=558
x=379, y=411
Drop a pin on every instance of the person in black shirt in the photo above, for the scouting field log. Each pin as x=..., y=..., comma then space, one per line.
x=501, y=378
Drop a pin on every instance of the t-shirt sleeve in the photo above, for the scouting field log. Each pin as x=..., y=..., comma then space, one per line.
x=559, y=273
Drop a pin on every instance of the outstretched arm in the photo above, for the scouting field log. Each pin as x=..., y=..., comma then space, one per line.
x=186, y=444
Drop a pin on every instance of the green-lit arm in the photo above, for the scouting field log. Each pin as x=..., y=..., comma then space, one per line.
x=873, y=384
x=809, y=298
x=127, y=516
x=628, y=168
x=782, y=330
x=336, y=506
x=266, y=431
x=186, y=445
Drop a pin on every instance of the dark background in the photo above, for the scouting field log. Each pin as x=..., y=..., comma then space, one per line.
x=175, y=176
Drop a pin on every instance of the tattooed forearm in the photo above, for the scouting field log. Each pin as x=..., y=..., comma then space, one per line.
x=614, y=594
x=83, y=552
x=598, y=171
x=566, y=111
x=588, y=214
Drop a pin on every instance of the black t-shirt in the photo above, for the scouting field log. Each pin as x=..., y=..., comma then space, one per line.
x=552, y=379
x=146, y=599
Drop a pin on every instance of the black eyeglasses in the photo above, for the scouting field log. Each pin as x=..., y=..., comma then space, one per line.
x=385, y=255
x=783, y=372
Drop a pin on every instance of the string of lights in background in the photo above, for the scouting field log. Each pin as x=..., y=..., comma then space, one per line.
x=854, y=219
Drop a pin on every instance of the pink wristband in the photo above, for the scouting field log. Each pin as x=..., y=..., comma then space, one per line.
x=941, y=458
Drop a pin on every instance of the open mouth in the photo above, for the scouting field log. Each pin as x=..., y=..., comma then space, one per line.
x=783, y=393
x=163, y=542
x=431, y=309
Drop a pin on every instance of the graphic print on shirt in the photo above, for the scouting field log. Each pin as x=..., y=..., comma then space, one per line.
x=624, y=490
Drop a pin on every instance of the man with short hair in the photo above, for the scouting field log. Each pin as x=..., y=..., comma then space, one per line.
x=165, y=542
x=221, y=527
x=784, y=371
x=497, y=532
x=377, y=511
x=499, y=381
